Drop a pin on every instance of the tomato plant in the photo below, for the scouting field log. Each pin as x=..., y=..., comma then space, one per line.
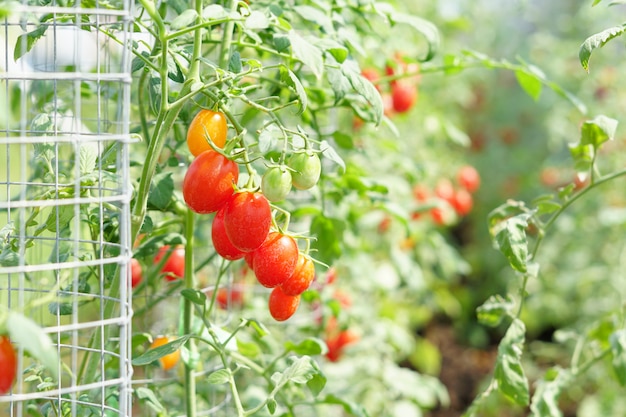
x=276, y=183
x=8, y=364
x=247, y=220
x=209, y=182
x=206, y=123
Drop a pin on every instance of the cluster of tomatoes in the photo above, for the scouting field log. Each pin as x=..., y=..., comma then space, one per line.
x=243, y=225
x=402, y=92
x=451, y=198
x=8, y=364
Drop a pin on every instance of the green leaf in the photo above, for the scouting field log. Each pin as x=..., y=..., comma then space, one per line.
x=618, y=350
x=152, y=355
x=268, y=137
x=174, y=72
x=530, y=83
x=316, y=384
x=195, y=296
x=510, y=238
x=598, y=131
x=337, y=50
x=149, y=397
x=310, y=346
x=271, y=405
x=350, y=407
x=509, y=373
x=29, y=335
x=597, y=41
x=292, y=80
x=309, y=54
x=257, y=21
x=87, y=157
x=317, y=16
x=214, y=11
x=545, y=204
x=234, y=63
x=494, y=310
x=329, y=152
x=299, y=371
x=343, y=140
x=61, y=216
x=329, y=233
x=281, y=42
x=545, y=402
x=26, y=41
x=185, y=19
x=455, y=134
x=365, y=89
x=9, y=257
x=427, y=29
x=161, y=191
x=219, y=377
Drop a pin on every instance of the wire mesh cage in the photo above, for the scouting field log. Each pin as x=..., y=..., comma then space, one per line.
x=64, y=213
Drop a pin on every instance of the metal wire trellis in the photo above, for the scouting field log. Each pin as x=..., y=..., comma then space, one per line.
x=64, y=214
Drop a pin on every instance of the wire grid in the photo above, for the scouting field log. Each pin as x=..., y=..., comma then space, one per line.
x=65, y=217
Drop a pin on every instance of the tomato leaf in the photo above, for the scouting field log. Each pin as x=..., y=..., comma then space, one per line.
x=294, y=83
x=219, y=377
x=597, y=40
x=195, y=296
x=329, y=235
x=234, y=63
x=618, y=350
x=161, y=191
x=309, y=346
x=530, y=83
x=185, y=19
x=309, y=54
x=509, y=373
x=545, y=402
x=329, y=152
x=149, y=397
x=257, y=21
x=30, y=336
x=494, y=310
x=316, y=384
x=152, y=355
x=26, y=41
x=350, y=407
x=510, y=238
x=593, y=134
x=299, y=371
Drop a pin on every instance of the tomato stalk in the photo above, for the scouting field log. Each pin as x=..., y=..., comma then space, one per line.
x=190, y=381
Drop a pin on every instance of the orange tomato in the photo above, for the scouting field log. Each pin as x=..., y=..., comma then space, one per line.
x=206, y=122
x=169, y=361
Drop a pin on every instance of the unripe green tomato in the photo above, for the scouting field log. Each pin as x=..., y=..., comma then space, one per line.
x=307, y=168
x=276, y=184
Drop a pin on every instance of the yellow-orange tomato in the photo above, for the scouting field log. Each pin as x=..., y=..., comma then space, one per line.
x=206, y=122
x=167, y=362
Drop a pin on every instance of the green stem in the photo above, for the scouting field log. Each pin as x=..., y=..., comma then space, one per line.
x=190, y=381
x=228, y=37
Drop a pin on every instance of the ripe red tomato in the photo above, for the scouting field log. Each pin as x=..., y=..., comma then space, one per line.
x=275, y=260
x=208, y=183
x=169, y=361
x=227, y=298
x=222, y=244
x=8, y=364
x=301, y=278
x=276, y=183
x=337, y=343
x=445, y=190
x=462, y=202
x=136, y=272
x=206, y=122
x=174, y=266
x=247, y=220
x=307, y=168
x=468, y=178
x=281, y=305
x=403, y=96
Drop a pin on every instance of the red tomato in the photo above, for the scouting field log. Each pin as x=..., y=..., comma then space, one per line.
x=403, y=96
x=222, y=244
x=247, y=220
x=174, y=266
x=337, y=343
x=462, y=202
x=301, y=278
x=8, y=364
x=468, y=178
x=275, y=260
x=445, y=190
x=136, y=272
x=281, y=305
x=208, y=183
x=227, y=298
